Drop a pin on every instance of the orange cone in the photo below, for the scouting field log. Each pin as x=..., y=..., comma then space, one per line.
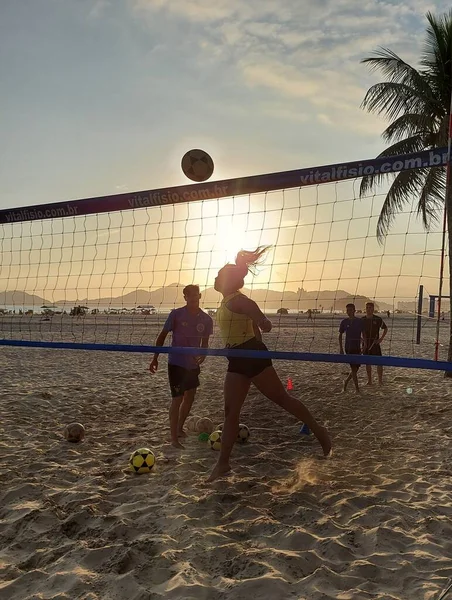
x=289, y=385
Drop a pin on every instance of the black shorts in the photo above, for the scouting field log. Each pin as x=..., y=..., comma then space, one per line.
x=354, y=351
x=374, y=350
x=181, y=380
x=249, y=367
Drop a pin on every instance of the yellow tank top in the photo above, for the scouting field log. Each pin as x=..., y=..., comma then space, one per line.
x=234, y=328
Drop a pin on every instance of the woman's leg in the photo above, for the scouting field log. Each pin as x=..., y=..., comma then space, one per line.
x=270, y=385
x=236, y=388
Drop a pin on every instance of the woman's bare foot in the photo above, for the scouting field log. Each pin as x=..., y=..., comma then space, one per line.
x=176, y=444
x=219, y=471
x=182, y=434
x=325, y=441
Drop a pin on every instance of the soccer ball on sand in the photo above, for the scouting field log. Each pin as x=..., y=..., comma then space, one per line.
x=204, y=425
x=214, y=440
x=74, y=432
x=142, y=461
x=242, y=435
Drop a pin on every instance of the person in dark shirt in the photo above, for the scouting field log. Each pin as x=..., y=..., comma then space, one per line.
x=372, y=339
x=191, y=327
x=353, y=329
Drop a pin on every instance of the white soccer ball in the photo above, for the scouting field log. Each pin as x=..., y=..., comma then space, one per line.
x=191, y=424
x=204, y=425
x=243, y=434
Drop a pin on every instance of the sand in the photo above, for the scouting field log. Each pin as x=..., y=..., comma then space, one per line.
x=374, y=521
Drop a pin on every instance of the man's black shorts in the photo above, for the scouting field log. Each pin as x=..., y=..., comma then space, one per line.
x=373, y=350
x=181, y=380
x=353, y=350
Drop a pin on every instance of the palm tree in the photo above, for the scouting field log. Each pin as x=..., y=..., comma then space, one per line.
x=417, y=102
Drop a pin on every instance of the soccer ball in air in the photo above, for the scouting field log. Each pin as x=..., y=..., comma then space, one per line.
x=142, y=461
x=243, y=434
x=74, y=432
x=214, y=440
x=197, y=165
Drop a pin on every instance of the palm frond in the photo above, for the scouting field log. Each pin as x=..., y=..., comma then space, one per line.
x=409, y=125
x=393, y=67
x=437, y=55
x=393, y=99
x=370, y=182
x=405, y=185
x=397, y=70
x=432, y=197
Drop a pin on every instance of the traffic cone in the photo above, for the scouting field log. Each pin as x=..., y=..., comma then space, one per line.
x=289, y=385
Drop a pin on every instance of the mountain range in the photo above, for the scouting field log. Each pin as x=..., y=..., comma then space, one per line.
x=169, y=296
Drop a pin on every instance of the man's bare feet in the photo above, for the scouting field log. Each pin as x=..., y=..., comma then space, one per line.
x=219, y=471
x=182, y=434
x=325, y=441
x=177, y=444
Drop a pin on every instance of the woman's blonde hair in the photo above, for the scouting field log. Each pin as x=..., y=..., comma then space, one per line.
x=246, y=261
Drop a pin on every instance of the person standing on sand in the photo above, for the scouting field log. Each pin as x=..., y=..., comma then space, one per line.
x=241, y=321
x=372, y=339
x=353, y=329
x=191, y=327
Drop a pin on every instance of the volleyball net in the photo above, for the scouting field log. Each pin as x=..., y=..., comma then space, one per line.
x=103, y=273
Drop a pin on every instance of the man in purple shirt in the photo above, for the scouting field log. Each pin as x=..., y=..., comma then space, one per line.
x=191, y=327
x=353, y=329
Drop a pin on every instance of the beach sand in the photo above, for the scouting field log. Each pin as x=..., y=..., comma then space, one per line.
x=374, y=521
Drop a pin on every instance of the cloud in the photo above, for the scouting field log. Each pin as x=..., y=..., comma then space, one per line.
x=98, y=8
x=298, y=50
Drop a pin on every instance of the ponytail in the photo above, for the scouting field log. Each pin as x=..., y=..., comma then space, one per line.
x=247, y=260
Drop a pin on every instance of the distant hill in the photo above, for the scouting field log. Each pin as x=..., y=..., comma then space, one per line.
x=18, y=298
x=169, y=296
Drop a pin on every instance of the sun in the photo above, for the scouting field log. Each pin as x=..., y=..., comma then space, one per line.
x=231, y=236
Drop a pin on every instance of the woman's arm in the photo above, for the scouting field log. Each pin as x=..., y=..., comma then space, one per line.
x=244, y=306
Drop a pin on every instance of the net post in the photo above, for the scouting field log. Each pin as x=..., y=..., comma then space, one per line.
x=419, y=314
x=447, y=199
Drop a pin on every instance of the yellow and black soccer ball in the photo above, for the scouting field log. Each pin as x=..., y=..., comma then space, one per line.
x=243, y=434
x=214, y=440
x=142, y=461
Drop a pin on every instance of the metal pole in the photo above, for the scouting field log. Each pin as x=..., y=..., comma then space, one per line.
x=443, y=247
x=419, y=314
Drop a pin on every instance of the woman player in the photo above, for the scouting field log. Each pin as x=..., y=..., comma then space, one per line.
x=241, y=321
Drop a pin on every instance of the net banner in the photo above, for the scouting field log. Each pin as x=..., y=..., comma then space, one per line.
x=228, y=187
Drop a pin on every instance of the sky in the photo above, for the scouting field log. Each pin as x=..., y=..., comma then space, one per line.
x=104, y=96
